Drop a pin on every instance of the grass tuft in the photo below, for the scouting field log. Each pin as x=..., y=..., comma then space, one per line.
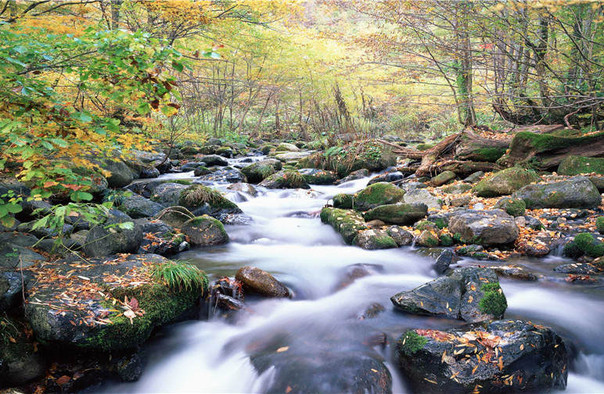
x=180, y=276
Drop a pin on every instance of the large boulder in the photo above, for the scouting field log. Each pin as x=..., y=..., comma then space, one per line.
x=285, y=180
x=346, y=222
x=377, y=194
x=205, y=231
x=257, y=172
x=221, y=175
x=470, y=293
x=105, y=305
x=575, y=192
x=505, y=182
x=214, y=160
x=134, y=205
x=287, y=147
x=121, y=174
x=417, y=196
x=160, y=238
x=202, y=200
x=402, y=214
x=167, y=194
x=314, y=176
x=373, y=239
x=118, y=234
x=503, y=356
x=257, y=281
x=489, y=227
x=575, y=165
x=175, y=216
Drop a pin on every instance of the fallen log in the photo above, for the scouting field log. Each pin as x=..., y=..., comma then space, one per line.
x=546, y=151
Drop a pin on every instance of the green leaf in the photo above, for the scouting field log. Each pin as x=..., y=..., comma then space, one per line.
x=143, y=108
x=82, y=117
x=14, y=208
x=178, y=66
x=78, y=196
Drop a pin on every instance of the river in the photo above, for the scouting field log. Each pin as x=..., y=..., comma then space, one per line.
x=287, y=238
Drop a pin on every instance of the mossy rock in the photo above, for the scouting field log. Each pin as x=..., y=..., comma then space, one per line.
x=600, y=224
x=493, y=302
x=402, y=214
x=589, y=245
x=257, y=172
x=457, y=189
x=426, y=225
x=443, y=177
x=286, y=179
x=205, y=231
x=575, y=192
x=343, y=201
x=200, y=200
x=175, y=216
x=428, y=239
x=346, y=222
x=374, y=239
x=512, y=206
x=411, y=342
x=575, y=165
x=377, y=194
x=505, y=182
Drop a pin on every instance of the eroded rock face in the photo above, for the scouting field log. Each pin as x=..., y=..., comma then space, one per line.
x=503, y=356
x=260, y=282
x=472, y=294
x=575, y=192
x=490, y=227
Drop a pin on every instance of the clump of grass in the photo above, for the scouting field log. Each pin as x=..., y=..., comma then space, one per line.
x=180, y=276
x=493, y=301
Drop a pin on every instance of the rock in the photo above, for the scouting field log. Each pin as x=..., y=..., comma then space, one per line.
x=469, y=293
x=260, y=282
x=213, y=160
x=598, y=181
x=315, y=176
x=292, y=156
x=202, y=200
x=443, y=261
x=334, y=370
x=11, y=287
x=357, y=271
x=511, y=206
x=474, y=177
x=116, y=235
x=422, y=196
x=375, y=239
x=15, y=252
x=121, y=174
x=167, y=194
x=443, y=177
x=20, y=362
x=461, y=201
x=387, y=177
x=285, y=147
x=344, y=201
x=136, y=206
x=491, y=227
x=514, y=271
x=242, y=187
x=358, y=174
x=505, y=182
x=225, y=151
x=285, y=180
x=149, y=172
x=575, y=165
x=257, y=172
x=192, y=165
x=580, y=269
x=377, y=194
x=221, y=175
x=205, y=231
x=68, y=308
x=402, y=214
x=201, y=171
x=575, y=192
x=457, y=188
x=428, y=239
x=130, y=368
x=160, y=238
x=401, y=236
x=503, y=356
x=347, y=223
x=584, y=244
x=175, y=216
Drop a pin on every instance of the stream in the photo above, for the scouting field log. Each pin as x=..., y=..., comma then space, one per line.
x=287, y=239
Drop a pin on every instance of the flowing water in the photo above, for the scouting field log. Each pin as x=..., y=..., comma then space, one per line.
x=287, y=238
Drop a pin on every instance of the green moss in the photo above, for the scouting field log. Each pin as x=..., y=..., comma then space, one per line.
x=493, y=301
x=600, y=224
x=572, y=250
x=457, y=238
x=425, y=225
x=544, y=142
x=589, y=245
x=196, y=196
x=385, y=242
x=505, y=182
x=346, y=222
x=381, y=193
x=440, y=223
x=424, y=147
x=514, y=207
x=257, y=172
x=575, y=165
x=488, y=154
x=343, y=200
x=181, y=181
x=446, y=240
x=411, y=342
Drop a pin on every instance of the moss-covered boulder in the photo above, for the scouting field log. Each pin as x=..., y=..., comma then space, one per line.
x=575, y=192
x=286, y=179
x=259, y=171
x=373, y=239
x=346, y=222
x=469, y=293
x=205, y=231
x=134, y=205
x=118, y=234
x=498, y=357
x=257, y=281
x=377, y=194
x=203, y=200
x=505, y=182
x=489, y=227
x=584, y=244
x=110, y=305
x=287, y=147
x=443, y=178
x=576, y=165
x=175, y=216
x=428, y=239
x=314, y=176
x=403, y=214
x=512, y=206
x=342, y=200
